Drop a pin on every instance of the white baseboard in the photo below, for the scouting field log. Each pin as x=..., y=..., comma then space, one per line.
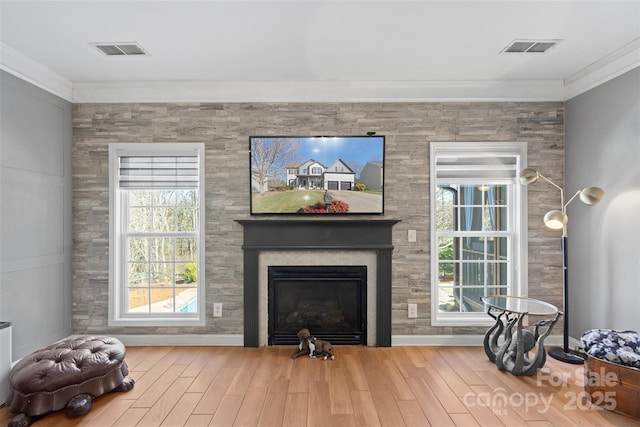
x=180, y=340
x=238, y=340
x=436, y=340
x=464, y=340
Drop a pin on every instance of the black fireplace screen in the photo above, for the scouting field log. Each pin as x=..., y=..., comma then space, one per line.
x=330, y=301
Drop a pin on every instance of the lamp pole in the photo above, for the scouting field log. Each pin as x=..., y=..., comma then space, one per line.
x=557, y=219
x=562, y=353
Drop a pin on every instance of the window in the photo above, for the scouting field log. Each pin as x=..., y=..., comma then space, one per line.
x=156, y=245
x=479, y=235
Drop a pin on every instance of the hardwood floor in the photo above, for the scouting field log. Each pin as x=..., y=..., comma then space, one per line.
x=364, y=386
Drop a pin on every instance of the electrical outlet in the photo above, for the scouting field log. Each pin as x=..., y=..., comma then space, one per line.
x=217, y=309
x=413, y=310
x=411, y=236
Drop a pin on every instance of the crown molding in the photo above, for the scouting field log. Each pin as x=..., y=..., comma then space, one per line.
x=25, y=68
x=611, y=66
x=314, y=91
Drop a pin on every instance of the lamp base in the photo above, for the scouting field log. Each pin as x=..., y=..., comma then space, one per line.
x=558, y=353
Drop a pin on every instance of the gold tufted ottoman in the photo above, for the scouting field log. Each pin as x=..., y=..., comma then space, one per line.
x=66, y=375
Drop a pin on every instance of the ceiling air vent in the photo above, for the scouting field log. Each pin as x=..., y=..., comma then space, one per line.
x=530, y=46
x=120, y=49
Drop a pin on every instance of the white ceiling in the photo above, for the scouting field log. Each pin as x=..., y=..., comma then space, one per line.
x=305, y=50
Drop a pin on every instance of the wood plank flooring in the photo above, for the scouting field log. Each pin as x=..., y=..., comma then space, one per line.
x=364, y=386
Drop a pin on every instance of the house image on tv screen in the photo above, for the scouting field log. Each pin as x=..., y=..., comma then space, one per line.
x=313, y=175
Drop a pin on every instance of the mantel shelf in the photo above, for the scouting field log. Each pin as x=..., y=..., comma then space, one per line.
x=349, y=234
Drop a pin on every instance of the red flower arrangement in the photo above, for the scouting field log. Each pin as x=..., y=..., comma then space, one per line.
x=337, y=206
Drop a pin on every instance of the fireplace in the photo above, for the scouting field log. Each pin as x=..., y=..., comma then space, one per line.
x=330, y=301
x=319, y=241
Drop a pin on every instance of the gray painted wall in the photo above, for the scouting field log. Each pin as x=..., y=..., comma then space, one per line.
x=35, y=214
x=603, y=149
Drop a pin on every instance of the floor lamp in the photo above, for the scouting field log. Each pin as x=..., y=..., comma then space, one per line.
x=556, y=220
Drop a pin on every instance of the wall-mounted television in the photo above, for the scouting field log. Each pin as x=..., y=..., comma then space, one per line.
x=320, y=175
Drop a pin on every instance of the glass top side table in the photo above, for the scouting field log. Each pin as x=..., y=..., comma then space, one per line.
x=512, y=354
x=530, y=306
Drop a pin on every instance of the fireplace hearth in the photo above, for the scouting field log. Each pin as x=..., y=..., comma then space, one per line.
x=330, y=301
x=309, y=237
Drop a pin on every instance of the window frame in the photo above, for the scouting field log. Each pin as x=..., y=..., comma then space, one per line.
x=117, y=234
x=517, y=253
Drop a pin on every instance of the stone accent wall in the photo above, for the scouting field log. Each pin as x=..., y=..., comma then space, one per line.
x=225, y=130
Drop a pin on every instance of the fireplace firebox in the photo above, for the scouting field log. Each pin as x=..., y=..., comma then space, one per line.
x=330, y=301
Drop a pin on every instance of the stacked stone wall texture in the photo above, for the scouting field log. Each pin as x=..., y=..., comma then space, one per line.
x=225, y=130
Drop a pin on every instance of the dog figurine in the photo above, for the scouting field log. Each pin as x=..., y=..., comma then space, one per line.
x=306, y=346
x=322, y=349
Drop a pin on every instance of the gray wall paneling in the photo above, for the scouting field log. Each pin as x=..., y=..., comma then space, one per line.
x=35, y=214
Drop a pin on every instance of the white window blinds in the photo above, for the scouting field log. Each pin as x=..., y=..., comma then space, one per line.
x=473, y=161
x=158, y=171
x=476, y=165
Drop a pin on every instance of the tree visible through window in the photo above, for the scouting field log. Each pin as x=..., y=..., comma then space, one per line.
x=478, y=241
x=473, y=245
x=162, y=243
x=156, y=273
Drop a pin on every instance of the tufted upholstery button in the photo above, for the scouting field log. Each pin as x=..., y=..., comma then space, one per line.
x=41, y=376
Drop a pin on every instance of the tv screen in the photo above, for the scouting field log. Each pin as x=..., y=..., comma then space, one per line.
x=317, y=175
